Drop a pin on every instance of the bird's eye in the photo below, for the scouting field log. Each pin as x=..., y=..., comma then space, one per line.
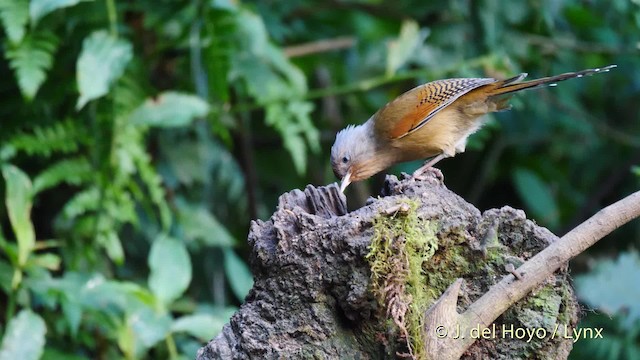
x=345, y=159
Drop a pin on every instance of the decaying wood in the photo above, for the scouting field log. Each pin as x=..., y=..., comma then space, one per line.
x=311, y=297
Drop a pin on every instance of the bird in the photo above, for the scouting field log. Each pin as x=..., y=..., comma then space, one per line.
x=431, y=121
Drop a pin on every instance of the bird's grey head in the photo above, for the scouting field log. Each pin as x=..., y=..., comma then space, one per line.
x=353, y=147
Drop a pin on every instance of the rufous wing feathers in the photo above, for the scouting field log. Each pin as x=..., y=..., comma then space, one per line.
x=413, y=109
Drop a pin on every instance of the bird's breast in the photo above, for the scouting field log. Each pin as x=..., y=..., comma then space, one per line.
x=439, y=133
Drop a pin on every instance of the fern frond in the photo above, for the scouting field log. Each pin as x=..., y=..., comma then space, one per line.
x=75, y=171
x=219, y=29
x=14, y=15
x=31, y=59
x=82, y=203
x=128, y=92
x=131, y=158
x=153, y=183
x=118, y=208
x=64, y=137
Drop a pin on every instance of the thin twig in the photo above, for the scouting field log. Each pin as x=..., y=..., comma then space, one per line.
x=553, y=44
x=112, y=14
x=385, y=11
x=320, y=46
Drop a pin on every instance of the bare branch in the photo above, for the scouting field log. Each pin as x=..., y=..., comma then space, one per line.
x=533, y=273
x=320, y=46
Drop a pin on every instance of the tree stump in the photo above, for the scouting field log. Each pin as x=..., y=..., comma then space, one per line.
x=316, y=296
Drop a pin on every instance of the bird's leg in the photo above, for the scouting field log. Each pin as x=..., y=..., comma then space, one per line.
x=428, y=166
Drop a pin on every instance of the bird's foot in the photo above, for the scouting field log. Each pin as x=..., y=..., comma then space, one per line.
x=430, y=173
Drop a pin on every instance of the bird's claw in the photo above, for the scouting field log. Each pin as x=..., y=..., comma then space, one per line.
x=430, y=174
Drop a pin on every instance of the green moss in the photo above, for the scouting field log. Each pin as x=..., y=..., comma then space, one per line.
x=401, y=245
x=448, y=265
x=567, y=305
x=541, y=309
x=411, y=267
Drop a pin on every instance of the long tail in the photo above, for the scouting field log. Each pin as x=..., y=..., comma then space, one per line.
x=508, y=86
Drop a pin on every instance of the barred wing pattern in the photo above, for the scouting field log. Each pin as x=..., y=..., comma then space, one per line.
x=432, y=97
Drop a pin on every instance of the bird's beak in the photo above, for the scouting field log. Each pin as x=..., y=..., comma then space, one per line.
x=346, y=180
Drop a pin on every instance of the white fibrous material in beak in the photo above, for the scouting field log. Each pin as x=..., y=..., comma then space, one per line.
x=346, y=180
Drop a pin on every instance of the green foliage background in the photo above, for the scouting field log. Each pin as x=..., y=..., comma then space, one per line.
x=138, y=139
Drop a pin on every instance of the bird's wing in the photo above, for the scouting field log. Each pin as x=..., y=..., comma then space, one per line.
x=413, y=109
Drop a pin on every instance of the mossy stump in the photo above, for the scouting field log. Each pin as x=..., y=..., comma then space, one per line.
x=322, y=291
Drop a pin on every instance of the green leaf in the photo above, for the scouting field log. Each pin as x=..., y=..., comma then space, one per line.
x=48, y=261
x=606, y=287
x=39, y=8
x=24, y=337
x=537, y=196
x=200, y=224
x=635, y=170
x=31, y=59
x=7, y=152
x=170, y=109
x=294, y=143
x=110, y=241
x=148, y=326
x=14, y=15
x=170, y=269
x=101, y=62
x=82, y=291
x=202, y=326
x=143, y=329
x=294, y=124
x=17, y=278
x=402, y=49
x=18, y=201
x=73, y=314
x=100, y=294
x=75, y=171
x=238, y=274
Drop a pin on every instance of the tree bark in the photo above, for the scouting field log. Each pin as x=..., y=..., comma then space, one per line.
x=312, y=296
